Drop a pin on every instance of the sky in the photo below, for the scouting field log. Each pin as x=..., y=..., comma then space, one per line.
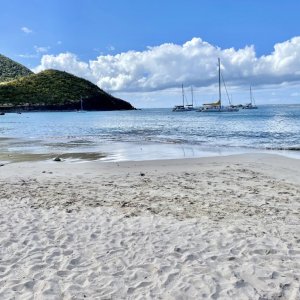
x=143, y=51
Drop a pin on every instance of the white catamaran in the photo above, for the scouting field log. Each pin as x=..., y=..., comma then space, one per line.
x=217, y=106
x=250, y=105
x=191, y=106
x=181, y=108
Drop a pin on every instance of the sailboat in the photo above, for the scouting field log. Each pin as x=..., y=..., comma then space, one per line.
x=250, y=105
x=191, y=106
x=81, y=106
x=183, y=107
x=217, y=106
x=180, y=108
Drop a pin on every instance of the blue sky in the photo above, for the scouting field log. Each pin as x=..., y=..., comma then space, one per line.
x=108, y=42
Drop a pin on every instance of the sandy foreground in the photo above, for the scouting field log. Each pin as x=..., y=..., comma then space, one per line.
x=215, y=228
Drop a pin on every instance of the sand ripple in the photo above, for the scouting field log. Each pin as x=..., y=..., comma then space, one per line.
x=223, y=232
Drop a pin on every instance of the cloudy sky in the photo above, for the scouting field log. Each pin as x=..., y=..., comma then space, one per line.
x=143, y=51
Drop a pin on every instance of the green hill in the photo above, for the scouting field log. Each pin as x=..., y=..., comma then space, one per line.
x=56, y=90
x=10, y=70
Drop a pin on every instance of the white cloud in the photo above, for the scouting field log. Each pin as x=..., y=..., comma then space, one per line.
x=193, y=63
x=41, y=49
x=65, y=62
x=28, y=55
x=26, y=30
x=110, y=48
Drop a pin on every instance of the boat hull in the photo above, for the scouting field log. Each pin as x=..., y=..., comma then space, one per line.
x=218, y=109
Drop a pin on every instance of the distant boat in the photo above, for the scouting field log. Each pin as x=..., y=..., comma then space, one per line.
x=217, y=106
x=81, y=106
x=191, y=106
x=250, y=105
x=181, y=108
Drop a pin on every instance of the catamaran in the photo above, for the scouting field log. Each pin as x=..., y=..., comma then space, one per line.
x=180, y=108
x=217, y=106
x=250, y=105
x=191, y=106
x=183, y=107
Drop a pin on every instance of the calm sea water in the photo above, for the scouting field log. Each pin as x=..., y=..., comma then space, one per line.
x=154, y=133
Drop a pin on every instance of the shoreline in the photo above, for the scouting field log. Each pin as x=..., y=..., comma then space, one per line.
x=89, y=159
x=128, y=152
x=218, y=227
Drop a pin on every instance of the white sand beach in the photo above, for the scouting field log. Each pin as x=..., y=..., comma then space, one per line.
x=208, y=228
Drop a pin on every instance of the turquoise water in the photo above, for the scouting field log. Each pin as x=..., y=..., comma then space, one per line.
x=154, y=133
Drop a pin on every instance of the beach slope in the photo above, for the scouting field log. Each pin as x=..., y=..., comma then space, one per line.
x=217, y=228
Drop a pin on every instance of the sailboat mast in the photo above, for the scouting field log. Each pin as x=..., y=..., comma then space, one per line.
x=182, y=94
x=250, y=94
x=219, y=80
x=192, y=96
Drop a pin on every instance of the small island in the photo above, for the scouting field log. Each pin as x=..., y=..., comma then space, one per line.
x=50, y=90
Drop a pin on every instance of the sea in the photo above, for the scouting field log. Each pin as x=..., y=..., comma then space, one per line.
x=149, y=134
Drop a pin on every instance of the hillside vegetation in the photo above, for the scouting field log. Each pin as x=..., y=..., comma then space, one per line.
x=10, y=70
x=54, y=89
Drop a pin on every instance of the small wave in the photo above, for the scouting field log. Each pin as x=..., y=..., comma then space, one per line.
x=291, y=148
x=80, y=142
